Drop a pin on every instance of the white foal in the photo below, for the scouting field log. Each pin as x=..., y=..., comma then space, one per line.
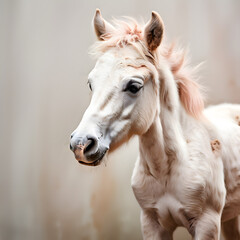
x=188, y=170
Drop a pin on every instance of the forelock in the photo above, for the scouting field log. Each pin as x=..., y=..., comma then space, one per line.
x=125, y=33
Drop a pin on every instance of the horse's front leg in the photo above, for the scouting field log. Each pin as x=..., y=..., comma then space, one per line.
x=151, y=229
x=231, y=229
x=208, y=227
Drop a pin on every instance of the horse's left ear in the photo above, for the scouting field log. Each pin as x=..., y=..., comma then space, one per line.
x=153, y=32
x=101, y=26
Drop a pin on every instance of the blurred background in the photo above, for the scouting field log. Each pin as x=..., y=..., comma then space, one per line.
x=44, y=63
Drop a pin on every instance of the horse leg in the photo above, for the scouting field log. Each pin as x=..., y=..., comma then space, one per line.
x=208, y=227
x=151, y=229
x=231, y=229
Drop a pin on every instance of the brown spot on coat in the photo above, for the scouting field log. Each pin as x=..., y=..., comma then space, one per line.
x=216, y=146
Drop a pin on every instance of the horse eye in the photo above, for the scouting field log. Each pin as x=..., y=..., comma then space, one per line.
x=133, y=87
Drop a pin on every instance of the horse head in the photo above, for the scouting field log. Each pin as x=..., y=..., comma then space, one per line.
x=124, y=85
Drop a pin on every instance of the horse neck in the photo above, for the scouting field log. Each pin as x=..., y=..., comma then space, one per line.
x=163, y=145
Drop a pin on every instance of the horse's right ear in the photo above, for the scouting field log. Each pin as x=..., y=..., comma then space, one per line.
x=101, y=26
x=153, y=32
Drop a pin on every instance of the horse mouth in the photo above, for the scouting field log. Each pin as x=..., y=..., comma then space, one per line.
x=95, y=163
x=94, y=160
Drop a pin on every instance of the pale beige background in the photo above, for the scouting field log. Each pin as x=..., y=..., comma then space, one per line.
x=44, y=62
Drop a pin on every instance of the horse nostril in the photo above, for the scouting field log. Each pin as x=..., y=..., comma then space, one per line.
x=84, y=144
x=89, y=144
x=71, y=136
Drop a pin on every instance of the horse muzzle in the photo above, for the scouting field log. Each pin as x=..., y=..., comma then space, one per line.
x=87, y=150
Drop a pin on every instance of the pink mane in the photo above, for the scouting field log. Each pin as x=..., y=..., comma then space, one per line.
x=190, y=92
x=131, y=33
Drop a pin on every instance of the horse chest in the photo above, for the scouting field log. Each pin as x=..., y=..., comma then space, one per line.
x=169, y=200
x=152, y=195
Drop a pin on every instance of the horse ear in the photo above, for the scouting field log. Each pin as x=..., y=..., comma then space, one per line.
x=101, y=26
x=153, y=32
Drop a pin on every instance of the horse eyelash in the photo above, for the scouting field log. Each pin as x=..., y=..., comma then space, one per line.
x=89, y=84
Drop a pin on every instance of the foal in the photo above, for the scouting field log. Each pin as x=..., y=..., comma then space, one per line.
x=188, y=170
